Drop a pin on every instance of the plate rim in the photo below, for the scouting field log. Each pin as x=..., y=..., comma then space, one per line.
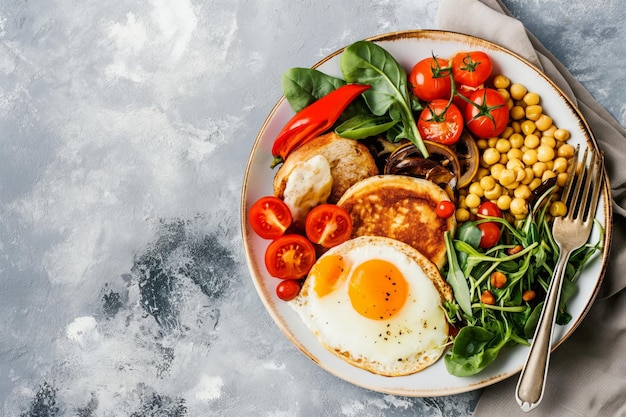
x=433, y=34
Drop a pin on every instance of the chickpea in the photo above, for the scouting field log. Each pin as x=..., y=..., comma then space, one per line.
x=503, y=202
x=491, y=142
x=530, y=157
x=536, y=182
x=462, y=215
x=496, y=170
x=514, y=153
x=534, y=112
x=516, y=140
x=543, y=122
x=547, y=174
x=558, y=208
x=550, y=131
x=476, y=189
x=561, y=134
x=560, y=165
x=507, y=132
x=517, y=113
x=516, y=126
x=523, y=191
x=518, y=91
x=494, y=193
x=545, y=153
x=487, y=298
x=531, y=141
x=561, y=179
x=482, y=144
x=518, y=206
x=539, y=168
x=491, y=156
x=482, y=172
x=507, y=177
x=528, y=127
x=501, y=81
x=548, y=141
x=502, y=145
x=487, y=183
x=531, y=98
x=529, y=175
x=472, y=201
x=566, y=151
x=498, y=279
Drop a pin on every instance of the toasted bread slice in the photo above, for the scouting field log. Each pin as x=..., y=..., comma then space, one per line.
x=349, y=160
x=402, y=208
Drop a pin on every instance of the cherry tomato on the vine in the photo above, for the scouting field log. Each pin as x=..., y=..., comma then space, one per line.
x=269, y=217
x=328, y=225
x=487, y=115
x=430, y=79
x=471, y=68
x=490, y=234
x=288, y=289
x=445, y=209
x=290, y=256
x=440, y=122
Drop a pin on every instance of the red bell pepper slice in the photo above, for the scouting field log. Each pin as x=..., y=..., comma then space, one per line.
x=313, y=120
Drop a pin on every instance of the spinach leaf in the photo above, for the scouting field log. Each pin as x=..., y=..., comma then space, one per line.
x=365, y=62
x=474, y=348
x=363, y=126
x=303, y=86
x=456, y=279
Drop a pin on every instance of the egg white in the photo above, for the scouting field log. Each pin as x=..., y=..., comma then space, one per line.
x=410, y=340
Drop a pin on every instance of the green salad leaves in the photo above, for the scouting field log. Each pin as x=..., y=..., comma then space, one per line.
x=526, y=255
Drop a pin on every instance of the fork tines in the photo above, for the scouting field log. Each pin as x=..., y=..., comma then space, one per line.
x=581, y=204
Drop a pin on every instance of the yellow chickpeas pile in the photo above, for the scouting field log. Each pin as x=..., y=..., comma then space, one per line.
x=531, y=150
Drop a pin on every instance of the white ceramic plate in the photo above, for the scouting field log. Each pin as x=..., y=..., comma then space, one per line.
x=408, y=47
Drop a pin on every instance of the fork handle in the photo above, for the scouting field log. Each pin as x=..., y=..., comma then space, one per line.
x=531, y=384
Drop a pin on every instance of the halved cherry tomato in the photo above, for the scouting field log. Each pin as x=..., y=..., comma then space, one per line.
x=445, y=209
x=489, y=208
x=269, y=217
x=487, y=115
x=490, y=234
x=328, y=225
x=288, y=289
x=441, y=122
x=290, y=256
x=471, y=68
x=430, y=79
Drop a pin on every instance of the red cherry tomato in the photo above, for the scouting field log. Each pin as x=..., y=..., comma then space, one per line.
x=328, y=225
x=489, y=208
x=471, y=68
x=440, y=122
x=290, y=256
x=445, y=209
x=430, y=79
x=288, y=289
x=487, y=115
x=269, y=217
x=490, y=234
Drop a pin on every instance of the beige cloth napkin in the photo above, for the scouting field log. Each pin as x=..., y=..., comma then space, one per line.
x=587, y=375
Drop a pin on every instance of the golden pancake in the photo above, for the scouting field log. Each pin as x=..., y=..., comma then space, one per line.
x=402, y=208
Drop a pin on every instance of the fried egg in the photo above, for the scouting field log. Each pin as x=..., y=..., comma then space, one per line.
x=376, y=303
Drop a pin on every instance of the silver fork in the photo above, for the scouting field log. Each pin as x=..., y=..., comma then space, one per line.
x=570, y=232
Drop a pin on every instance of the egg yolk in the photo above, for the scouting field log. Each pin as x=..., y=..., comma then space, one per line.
x=377, y=289
x=327, y=272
